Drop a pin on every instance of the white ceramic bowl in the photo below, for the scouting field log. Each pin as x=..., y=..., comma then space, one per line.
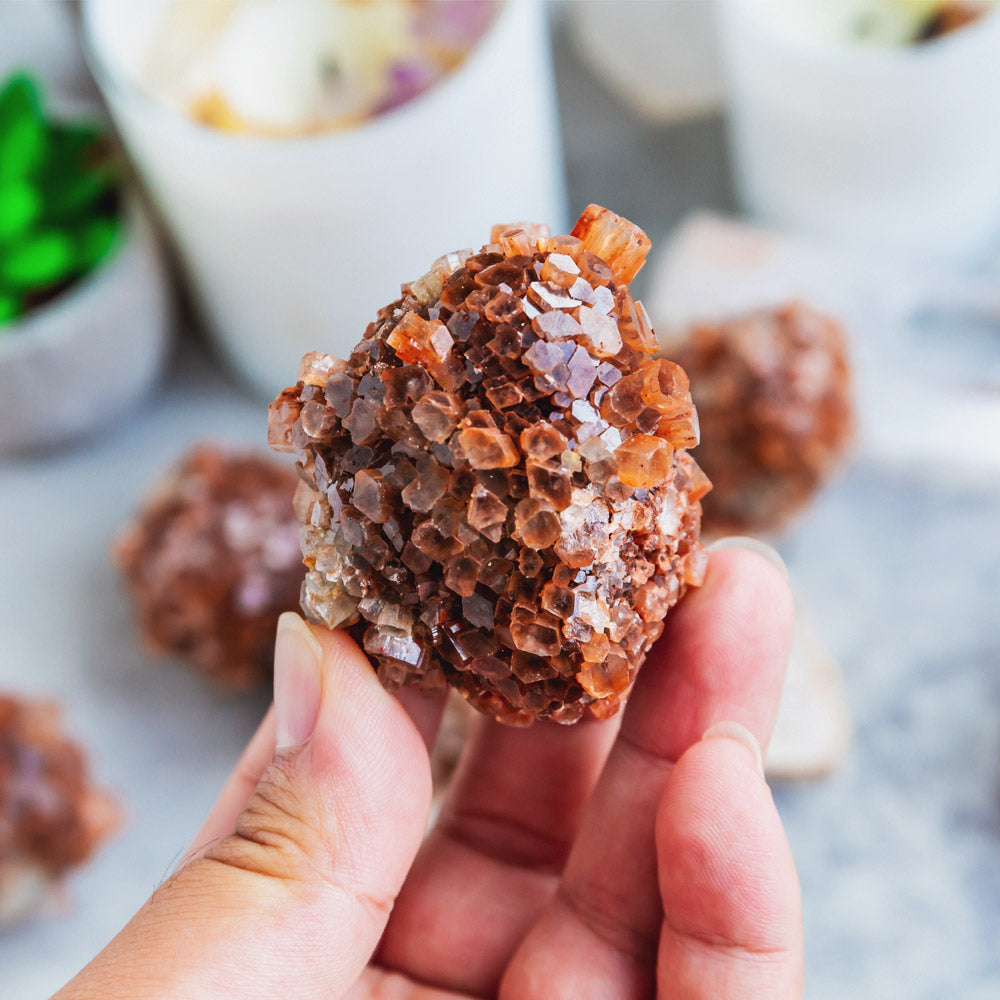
x=292, y=245
x=895, y=149
x=83, y=359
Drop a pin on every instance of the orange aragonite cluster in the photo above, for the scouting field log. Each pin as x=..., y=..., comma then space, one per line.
x=494, y=489
x=212, y=559
x=773, y=389
x=51, y=817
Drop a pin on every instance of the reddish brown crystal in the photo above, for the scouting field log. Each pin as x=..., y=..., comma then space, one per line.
x=620, y=244
x=644, y=461
x=213, y=558
x=517, y=522
x=773, y=390
x=51, y=817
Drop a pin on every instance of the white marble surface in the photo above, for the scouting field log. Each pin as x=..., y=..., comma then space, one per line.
x=899, y=853
x=160, y=739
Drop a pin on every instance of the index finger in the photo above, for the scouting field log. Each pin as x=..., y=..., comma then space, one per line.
x=722, y=656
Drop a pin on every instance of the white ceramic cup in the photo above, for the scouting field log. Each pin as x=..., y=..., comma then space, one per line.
x=84, y=359
x=895, y=149
x=292, y=245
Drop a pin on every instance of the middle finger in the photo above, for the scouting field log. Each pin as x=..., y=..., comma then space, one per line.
x=493, y=860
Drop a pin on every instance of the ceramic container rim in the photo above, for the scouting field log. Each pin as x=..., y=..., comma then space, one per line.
x=118, y=86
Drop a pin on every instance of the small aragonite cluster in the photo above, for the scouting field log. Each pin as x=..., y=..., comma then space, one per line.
x=212, y=559
x=51, y=817
x=773, y=390
x=495, y=491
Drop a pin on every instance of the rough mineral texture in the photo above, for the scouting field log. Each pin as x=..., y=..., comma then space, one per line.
x=51, y=817
x=212, y=559
x=495, y=489
x=773, y=391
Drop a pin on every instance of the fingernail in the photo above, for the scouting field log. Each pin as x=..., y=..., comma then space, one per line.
x=298, y=658
x=751, y=545
x=740, y=733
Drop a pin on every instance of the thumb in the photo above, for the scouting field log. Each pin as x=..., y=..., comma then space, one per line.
x=292, y=903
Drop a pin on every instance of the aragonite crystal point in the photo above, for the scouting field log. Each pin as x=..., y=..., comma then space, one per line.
x=495, y=489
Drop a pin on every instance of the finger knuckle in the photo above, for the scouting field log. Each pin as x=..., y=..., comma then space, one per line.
x=274, y=835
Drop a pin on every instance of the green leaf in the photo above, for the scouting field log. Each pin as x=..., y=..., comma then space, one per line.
x=23, y=147
x=72, y=152
x=77, y=193
x=20, y=206
x=23, y=134
x=40, y=259
x=94, y=242
x=10, y=307
x=19, y=98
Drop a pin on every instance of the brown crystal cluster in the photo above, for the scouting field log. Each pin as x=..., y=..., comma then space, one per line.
x=212, y=559
x=51, y=817
x=773, y=391
x=495, y=492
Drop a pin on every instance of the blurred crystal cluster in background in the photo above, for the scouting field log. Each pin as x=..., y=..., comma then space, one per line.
x=54, y=818
x=193, y=195
x=212, y=559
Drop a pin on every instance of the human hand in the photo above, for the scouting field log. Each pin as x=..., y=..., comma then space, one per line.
x=627, y=858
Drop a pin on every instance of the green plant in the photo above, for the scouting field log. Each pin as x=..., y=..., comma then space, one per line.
x=59, y=211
